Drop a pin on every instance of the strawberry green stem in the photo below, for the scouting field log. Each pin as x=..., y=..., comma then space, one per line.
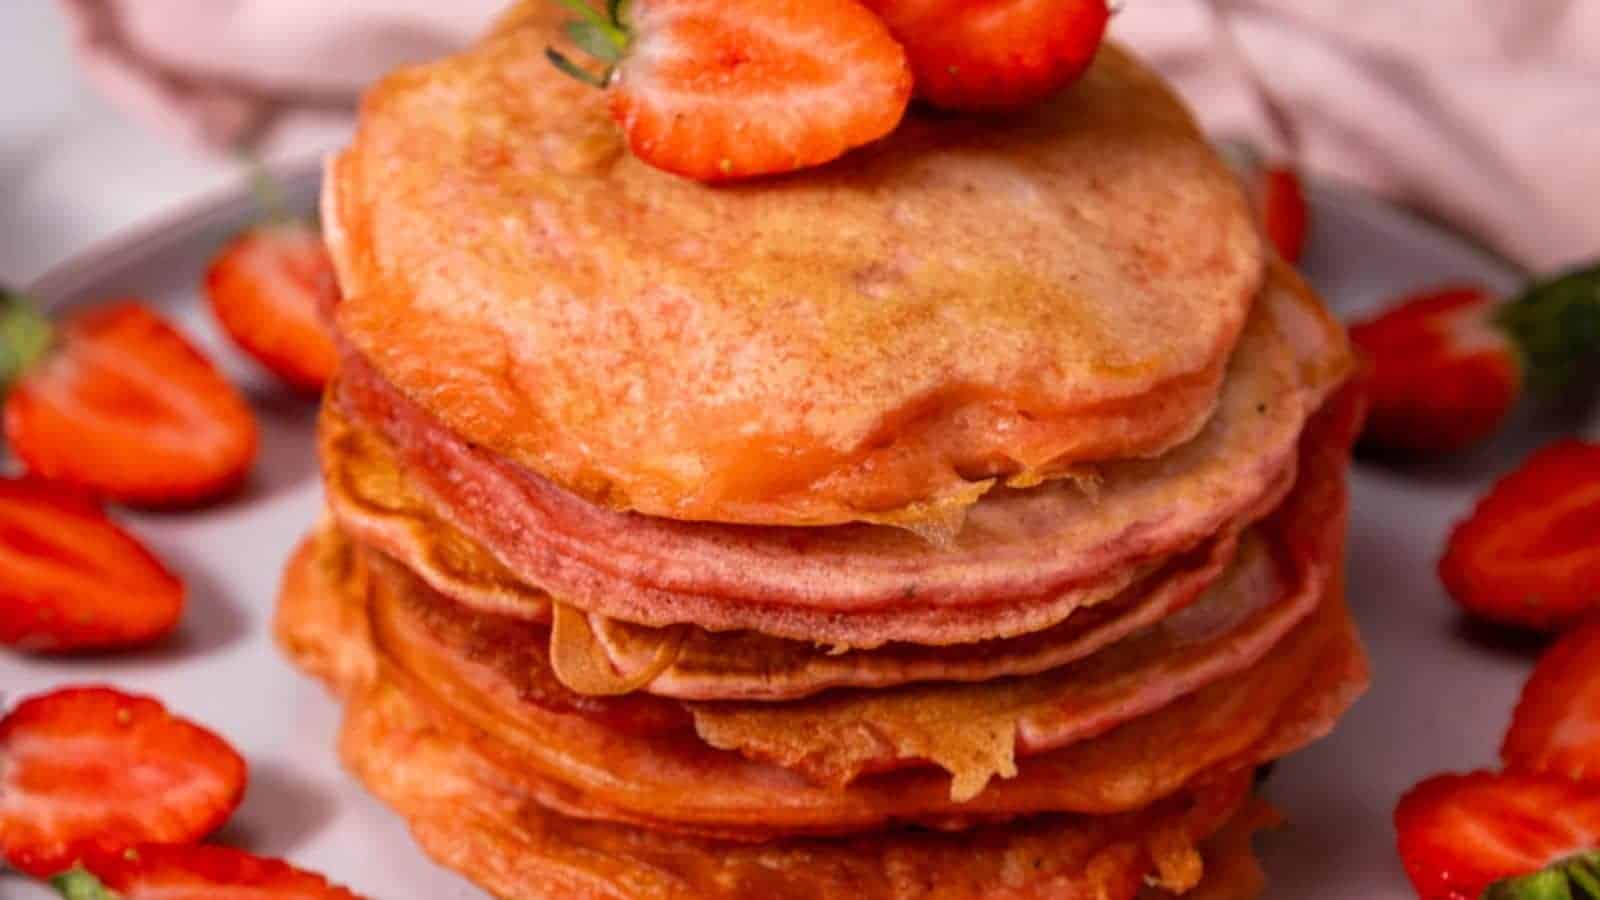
x=79, y=884
x=1574, y=878
x=1556, y=327
x=25, y=334
x=602, y=36
x=268, y=191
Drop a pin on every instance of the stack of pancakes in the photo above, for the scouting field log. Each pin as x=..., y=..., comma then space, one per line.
x=961, y=519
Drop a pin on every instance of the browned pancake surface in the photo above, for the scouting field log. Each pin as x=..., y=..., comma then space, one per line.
x=469, y=816
x=873, y=340
x=1024, y=559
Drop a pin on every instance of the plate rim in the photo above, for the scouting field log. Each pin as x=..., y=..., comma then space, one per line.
x=172, y=225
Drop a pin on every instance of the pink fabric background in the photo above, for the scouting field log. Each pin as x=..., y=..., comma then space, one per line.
x=1482, y=114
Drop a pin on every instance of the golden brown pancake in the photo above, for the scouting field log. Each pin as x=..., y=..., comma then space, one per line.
x=312, y=625
x=498, y=692
x=695, y=664
x=1230, y=868
x=469, y=815
x=878, y=339
x=728, y=542
x=375, y=500
x=1025, y=559
x=635, y=765
x=977, y=730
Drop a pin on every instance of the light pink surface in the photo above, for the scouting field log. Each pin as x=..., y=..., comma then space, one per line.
x=1486, y=115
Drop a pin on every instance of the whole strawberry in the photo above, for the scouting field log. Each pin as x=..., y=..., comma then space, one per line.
x=1448, y=365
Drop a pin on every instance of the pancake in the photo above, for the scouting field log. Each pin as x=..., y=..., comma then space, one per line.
x=499, y=696
x=469, y=816
x=1228, y=861
x=312, y=624
x=635, y=765
x=881, y=339
x=596, y=654
x=695, y=664
x=1025, y=559
x=977, y=730
x=323, y=625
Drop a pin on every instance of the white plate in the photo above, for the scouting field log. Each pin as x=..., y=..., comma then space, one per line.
x=1441, y=697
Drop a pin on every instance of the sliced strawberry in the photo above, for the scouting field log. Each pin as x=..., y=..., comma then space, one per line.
x=1449, y=364
x=1465, y=837
x=269, y=289
x=994, y=55
x=85, y=770
x=1556, y=727
x=70, y=579
x=1443, y=375
x=1529, y=554
x=123, y=406
x=157, y=872
x=723, y=89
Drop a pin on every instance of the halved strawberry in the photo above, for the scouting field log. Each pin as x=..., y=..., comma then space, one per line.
x=1443, y=376
x=1499, y=836
x=1450, y=363
x=70, y=579
x=270, y=288
x=722, y=89
x=157, y=872
x=86, y=770
x=1556, y=727
x=1529, y=554
x=121, y=404
x=994, y=55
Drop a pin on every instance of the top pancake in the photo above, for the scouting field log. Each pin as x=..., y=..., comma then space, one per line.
x=873, y=340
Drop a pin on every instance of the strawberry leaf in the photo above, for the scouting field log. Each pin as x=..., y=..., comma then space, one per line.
x=1574, y=878
x=25, y=334
x=1556, y=325
x=598, y=42
x=602, y=36
x=80, y=884
x=582, y=9
x=560, y=61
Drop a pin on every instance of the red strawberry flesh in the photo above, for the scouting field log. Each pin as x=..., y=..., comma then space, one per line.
x=1459, y=834
x=86, y=770
x=1443, y=375
x=72, y=580
x=1529, y=554
x=177, y=872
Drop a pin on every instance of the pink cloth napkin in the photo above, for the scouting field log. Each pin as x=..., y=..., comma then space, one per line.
x=1484, y=115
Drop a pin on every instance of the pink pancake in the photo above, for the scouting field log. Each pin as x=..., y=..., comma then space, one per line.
x=594, y=654
x=1024, y=560
x=977, y=730
x=488, y=824
x=581, y=766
